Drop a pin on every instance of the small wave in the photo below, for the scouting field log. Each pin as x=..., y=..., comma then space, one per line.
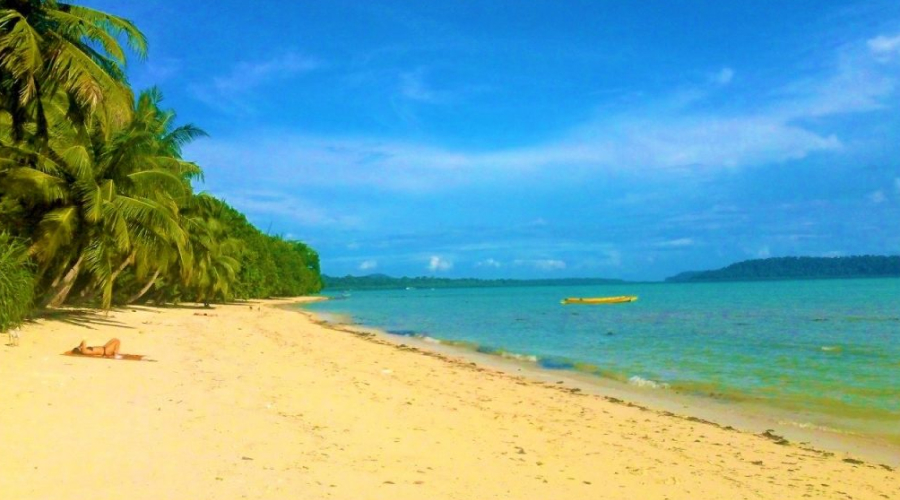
x=519, y=357
x=832, y=348
x=812, y=426
x=642, y=382
x=430, y=340
x=462, y=344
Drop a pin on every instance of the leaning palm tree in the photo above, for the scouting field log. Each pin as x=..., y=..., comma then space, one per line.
x=105, y=199
x=142, y=183
x=47, y=45
x=146, y=162
x=215, y=264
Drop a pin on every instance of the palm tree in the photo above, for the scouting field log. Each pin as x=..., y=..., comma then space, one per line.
x=215, y=252
x=47, y=45
x=104, y=200
x=154, y=140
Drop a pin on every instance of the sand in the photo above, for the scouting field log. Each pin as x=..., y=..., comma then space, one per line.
x=260, y=402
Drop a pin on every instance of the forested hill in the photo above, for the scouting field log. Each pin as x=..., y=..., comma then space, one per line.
x=384, y=282
x=866, y=266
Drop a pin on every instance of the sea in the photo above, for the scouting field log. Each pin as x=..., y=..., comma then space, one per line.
x=826, y=352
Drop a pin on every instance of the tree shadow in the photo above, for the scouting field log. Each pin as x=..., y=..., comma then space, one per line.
x=84, y=318
x=184, y=306
x=157, y=307
x=141, y=308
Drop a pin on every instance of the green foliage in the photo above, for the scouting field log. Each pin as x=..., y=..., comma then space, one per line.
x=16, y=283
x=866, y=266
x=270, y=266
x=93, y=184
x=48, y=47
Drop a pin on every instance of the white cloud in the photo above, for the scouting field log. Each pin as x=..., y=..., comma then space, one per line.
x=542, y=264
x=248, y=75
x=724, y=76
x=650, y=139
x=488, y=263
x=368, y=265
x=436, y=264
x=413, y=87
x=230, y=92
x=676, y=243
x=648, y=145
x=884, y=44
x=877, y=197
x=273, y=203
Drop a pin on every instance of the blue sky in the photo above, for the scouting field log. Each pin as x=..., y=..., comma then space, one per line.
x=541, y=139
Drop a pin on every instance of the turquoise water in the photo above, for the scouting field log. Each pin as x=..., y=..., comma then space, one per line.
x=827, y=350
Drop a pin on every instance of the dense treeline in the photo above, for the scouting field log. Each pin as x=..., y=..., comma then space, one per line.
x=97, y=205
x=271, y=266
x=866, y=266
x=384, y=282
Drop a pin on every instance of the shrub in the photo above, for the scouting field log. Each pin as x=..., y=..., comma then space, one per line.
x=16, y=283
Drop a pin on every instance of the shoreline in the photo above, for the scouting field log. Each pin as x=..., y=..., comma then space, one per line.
x=750, y=419
x=255, y=401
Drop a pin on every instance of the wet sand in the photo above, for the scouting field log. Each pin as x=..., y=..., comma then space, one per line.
x=253, y=401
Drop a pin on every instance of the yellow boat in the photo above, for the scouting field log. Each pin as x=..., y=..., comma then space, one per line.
x=600, y=300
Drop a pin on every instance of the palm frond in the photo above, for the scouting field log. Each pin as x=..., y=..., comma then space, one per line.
x=77, y=29
x=34, y=185
x=137, y=42
x=55, y=231
x=20, y=52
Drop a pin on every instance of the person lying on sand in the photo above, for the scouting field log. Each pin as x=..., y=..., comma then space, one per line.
x=109, y=350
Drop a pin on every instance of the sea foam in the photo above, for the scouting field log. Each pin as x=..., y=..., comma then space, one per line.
x=519, y=357
x=642, y=382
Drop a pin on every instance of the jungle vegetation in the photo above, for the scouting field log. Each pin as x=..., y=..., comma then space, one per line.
x=97, y=205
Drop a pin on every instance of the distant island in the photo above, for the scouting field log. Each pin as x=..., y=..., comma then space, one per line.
x=780, y=268
x=776, y=268
x=384, y=282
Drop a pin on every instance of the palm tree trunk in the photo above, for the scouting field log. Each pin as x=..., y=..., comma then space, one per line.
x=90, y=291
x=121, y=268
x=67, y=283
x=59, y=276
x=145, y=289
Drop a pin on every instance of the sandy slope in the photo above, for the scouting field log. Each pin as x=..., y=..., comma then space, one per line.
x=265, y=403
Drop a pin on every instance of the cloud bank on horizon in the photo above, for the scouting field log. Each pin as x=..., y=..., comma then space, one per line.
x=546, y=140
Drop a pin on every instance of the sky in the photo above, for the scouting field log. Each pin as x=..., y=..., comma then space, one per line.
x=540, y=139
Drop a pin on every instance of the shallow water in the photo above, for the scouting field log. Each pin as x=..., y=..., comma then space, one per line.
x=826, y=351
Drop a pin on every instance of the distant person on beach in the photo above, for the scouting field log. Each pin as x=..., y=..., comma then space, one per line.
x=110, y=349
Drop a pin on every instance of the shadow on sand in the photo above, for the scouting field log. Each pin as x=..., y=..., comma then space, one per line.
x=88, y=317
x=85, y=318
